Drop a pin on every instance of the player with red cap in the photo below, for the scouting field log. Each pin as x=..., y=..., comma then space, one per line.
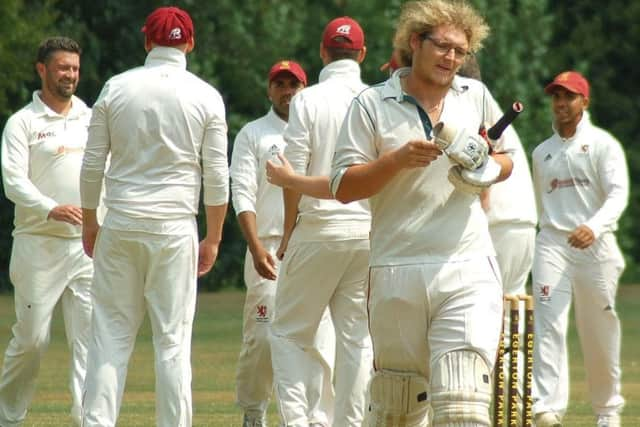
x=165, y=132
x=259, y=209
x=325, y=244
x=582, y=186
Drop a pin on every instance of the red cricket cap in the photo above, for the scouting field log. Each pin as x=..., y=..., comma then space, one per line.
x=168, y=26
x=352, y=36
x=390, y=65
x=570, y=80
x=291, y=67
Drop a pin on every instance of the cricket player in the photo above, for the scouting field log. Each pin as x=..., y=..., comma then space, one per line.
x=260, y=213
x=511, y=208
x=166, y=132
x=42, y=146
x=582, y=187
x=325, y=245
x=435, y=296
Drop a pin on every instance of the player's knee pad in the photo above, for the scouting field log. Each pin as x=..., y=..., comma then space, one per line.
x=397, y=399
x=461, y=389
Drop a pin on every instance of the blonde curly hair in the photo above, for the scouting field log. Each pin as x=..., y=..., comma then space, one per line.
x=423, y=16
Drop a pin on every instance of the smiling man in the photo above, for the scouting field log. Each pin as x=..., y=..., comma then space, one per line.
x=42, y=148
x=582, y=187
x=435, y=297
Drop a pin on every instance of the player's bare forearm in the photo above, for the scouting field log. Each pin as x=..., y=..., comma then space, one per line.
x=284, y=176
x=291, y=200
x=215, y=220
x=263, y=262
x=314, y=186
x=365, y=180
x=208, y=250
x=506, y=165
x=249, y=229
x=90, y=228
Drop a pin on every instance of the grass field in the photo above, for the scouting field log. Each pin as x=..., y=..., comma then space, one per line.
x=216, y=342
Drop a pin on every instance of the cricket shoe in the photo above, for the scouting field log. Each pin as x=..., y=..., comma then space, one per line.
x=611, y=420
x=254, y=421
x=547, y=419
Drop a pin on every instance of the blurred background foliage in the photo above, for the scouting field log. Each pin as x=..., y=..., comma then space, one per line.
x=236, y=43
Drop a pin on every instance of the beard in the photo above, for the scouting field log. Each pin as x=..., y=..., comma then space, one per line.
x=63, y=88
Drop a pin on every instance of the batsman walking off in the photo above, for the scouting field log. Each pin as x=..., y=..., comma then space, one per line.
x=582, y=187
x=165, y=130
x=325, y=246
x=260, y=213
x=42, y=147
x=435, y=296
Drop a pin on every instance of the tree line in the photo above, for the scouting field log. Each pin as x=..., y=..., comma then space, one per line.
x=236, y=43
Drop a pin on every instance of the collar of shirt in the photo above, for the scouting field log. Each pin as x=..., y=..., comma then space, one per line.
x=392, y=88
x=272, y=115
x=78, y=107
x=584, y=123
x=346, y=68
x=162, y=55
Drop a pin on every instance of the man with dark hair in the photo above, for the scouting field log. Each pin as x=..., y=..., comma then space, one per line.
x=581, y=182
x=325, y=245
x=259, y=210
x=42, y=146
x=166, y=132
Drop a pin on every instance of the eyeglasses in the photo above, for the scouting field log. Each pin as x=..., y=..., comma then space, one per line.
x=443, y=47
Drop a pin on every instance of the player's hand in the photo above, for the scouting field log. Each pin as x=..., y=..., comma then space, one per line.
x=279, y=174
x=264, y=263
x=581, y=238
x=207, y=254
x=282, y=248
x=66, y=213
x=89, y=235
x=416, y=154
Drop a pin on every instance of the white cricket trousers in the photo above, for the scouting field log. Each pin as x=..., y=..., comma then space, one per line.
x=589, y=276
x=45, y=270
x=514, y=245
x=314, y=276
x=137, y=272
x=420, y=312
x=254, y=374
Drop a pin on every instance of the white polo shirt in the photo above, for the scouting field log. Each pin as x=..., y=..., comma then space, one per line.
x=581, y=180
x=165, y=129
x=418, y=217
x=257, y=142
x=316, y=114
x=513, y=201
x=41, y=159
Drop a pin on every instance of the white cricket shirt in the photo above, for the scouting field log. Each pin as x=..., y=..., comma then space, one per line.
x=41, y=159
x=257, y=142
x=165, y=129
x=513, y=200
x=581, y=180
x=418, y=217
x=315, y=117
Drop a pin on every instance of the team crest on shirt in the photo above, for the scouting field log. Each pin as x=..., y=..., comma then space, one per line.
x=545, y=293
x=547, y=157
x=274, y=150
x=557, y=183
x=44, y=135
x=262, y=316
x=585, y=148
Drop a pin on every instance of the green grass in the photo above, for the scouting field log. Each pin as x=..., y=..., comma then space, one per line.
x=216, y=343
